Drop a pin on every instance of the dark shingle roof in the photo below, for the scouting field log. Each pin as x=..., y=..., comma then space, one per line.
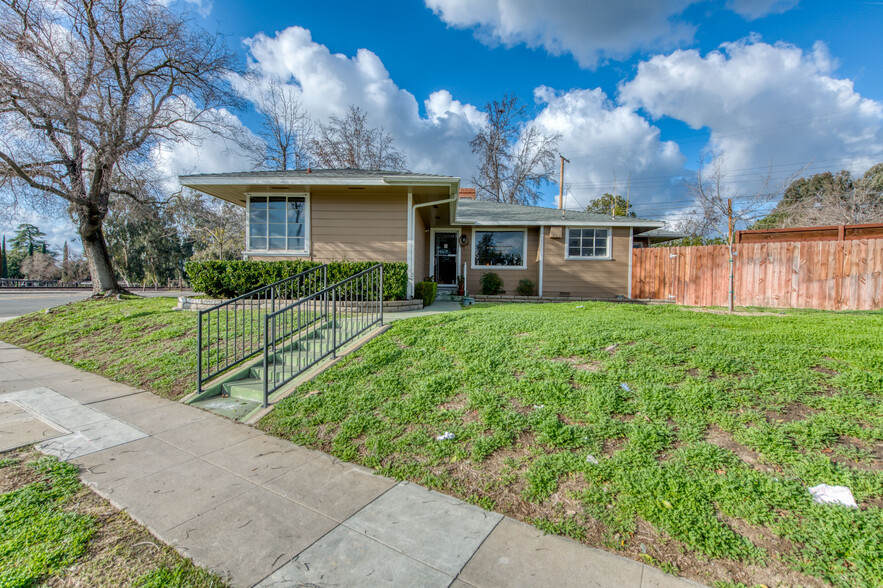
x=483, y=212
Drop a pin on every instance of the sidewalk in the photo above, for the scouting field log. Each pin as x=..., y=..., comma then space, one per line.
x=263, y=511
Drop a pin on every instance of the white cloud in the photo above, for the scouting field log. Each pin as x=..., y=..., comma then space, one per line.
x=590, y=30
x=202, y=7
x=329, y=82
x=205, y=153
x=601, y=140
x=766, y=105
x=754, y=9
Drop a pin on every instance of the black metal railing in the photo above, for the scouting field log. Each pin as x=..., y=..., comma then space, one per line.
x=304, y=333
x=232, y=332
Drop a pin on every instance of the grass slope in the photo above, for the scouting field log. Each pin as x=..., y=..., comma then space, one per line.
x=55, y=532
x=136, y=341
x=707, y=429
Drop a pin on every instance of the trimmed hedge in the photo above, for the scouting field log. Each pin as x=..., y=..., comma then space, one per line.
x=228, y=279
x=427, y=291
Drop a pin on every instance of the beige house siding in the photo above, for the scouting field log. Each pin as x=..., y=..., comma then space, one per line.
x=421, y=238
x=356, y=227
x=586, y=278
x=510, y=277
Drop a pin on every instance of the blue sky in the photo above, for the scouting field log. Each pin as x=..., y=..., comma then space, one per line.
x=638, y=88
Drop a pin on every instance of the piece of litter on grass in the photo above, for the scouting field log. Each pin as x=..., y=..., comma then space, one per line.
x=825, y=494
x=446, y=437
x=580, y=306
x=611, y=348
x=592, y=459
x=625, y=387
x=539, y=406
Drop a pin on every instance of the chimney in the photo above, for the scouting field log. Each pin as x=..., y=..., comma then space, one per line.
x=467, y=193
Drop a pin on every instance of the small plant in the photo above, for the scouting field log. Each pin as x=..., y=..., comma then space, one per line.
x=491, y=284
x=525, y=288
x=427, y=291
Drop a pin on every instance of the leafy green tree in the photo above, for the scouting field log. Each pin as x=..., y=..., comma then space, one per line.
x=27, y=238
x=612, y=205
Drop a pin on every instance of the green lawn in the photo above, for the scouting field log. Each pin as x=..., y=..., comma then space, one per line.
x=707, y=429
x=54, y=531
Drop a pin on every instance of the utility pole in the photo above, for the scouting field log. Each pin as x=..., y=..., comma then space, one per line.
x=628, y=189
x=730, y=301
x=561, y=183
x=613, y=200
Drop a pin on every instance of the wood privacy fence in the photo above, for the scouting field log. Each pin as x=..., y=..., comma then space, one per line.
x=828, y=275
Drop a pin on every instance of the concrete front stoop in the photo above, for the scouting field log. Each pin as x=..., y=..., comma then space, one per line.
x=262, y=511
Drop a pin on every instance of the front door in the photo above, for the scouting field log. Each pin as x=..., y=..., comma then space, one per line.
x=446, y=258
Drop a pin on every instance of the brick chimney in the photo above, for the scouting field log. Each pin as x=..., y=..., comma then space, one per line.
x=467, y=193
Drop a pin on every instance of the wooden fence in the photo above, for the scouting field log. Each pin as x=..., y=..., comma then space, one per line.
x=828, y=275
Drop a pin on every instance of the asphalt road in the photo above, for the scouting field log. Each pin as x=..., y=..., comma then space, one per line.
x=15, y=303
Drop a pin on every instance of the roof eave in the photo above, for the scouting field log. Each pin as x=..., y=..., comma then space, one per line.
x=249, y=180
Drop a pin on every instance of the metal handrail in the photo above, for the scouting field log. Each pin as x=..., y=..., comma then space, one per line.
x=357, y=300
x=228, y=349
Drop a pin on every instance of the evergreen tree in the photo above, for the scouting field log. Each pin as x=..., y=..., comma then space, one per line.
x=4, y=269
x=27, y=238
x=65, y=263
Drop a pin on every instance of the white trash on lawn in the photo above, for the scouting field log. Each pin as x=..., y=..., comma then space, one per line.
x=446, y=437
x=625, y=387
x=592, y=459
x=824, y=494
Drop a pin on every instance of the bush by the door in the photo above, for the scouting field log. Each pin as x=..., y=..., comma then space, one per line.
x=491, y=284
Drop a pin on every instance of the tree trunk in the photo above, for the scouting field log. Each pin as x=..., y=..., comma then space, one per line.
x=104, y=282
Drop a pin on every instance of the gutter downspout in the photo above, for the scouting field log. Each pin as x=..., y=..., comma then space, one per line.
x=409, y=255
x=412, y=210
x=542, y=241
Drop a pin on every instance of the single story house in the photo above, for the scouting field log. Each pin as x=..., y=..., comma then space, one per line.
x=441, y=231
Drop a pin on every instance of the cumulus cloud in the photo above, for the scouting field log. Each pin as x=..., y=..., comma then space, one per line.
x=754, y=9
x=601, y=140
x=329, y=82
x=766, y=105
x=589, y=30
x=202, y=7
x=204, y=153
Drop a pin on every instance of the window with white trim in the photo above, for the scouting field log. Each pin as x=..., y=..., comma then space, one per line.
x=499, y=248
x=588, y=243
x=277, y=223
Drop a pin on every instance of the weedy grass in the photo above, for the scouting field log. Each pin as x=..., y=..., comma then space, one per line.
x=55, y=532
x=707, y=429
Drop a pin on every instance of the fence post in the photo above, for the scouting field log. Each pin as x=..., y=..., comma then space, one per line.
x=333, y=322
x=266, y=362
x=199, y=352
x=381, y=295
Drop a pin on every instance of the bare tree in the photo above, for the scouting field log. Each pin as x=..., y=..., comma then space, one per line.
x=87, y=88
x=286, y=128
x=40, y=266
x=515, y=156
x=348, y=142
x=216, y=228
x=719, y=205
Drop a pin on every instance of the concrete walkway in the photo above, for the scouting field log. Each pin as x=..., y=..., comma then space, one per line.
x=263, y=511
x=437, y=307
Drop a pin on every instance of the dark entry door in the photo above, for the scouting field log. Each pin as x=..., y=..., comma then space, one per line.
x=446, y=258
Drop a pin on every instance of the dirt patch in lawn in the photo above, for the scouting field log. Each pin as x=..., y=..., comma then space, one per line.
x=721, y=438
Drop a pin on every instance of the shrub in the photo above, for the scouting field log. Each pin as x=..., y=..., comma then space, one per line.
x=525, y=288
x=227, y=279
x=427, y=291
x=491, y=284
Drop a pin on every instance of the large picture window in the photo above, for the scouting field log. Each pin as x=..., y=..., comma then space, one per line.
x=502, y=249
x=277, y=223
x=588, y=244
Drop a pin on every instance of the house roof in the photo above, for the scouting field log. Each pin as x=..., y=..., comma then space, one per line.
x=660, y=235
x=316, y=177
x=483, y=212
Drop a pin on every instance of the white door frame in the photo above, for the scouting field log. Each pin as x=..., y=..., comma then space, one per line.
x=432, y=233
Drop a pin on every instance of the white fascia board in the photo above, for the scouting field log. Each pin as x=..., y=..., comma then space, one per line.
x=271, y=181
x=564, y=223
